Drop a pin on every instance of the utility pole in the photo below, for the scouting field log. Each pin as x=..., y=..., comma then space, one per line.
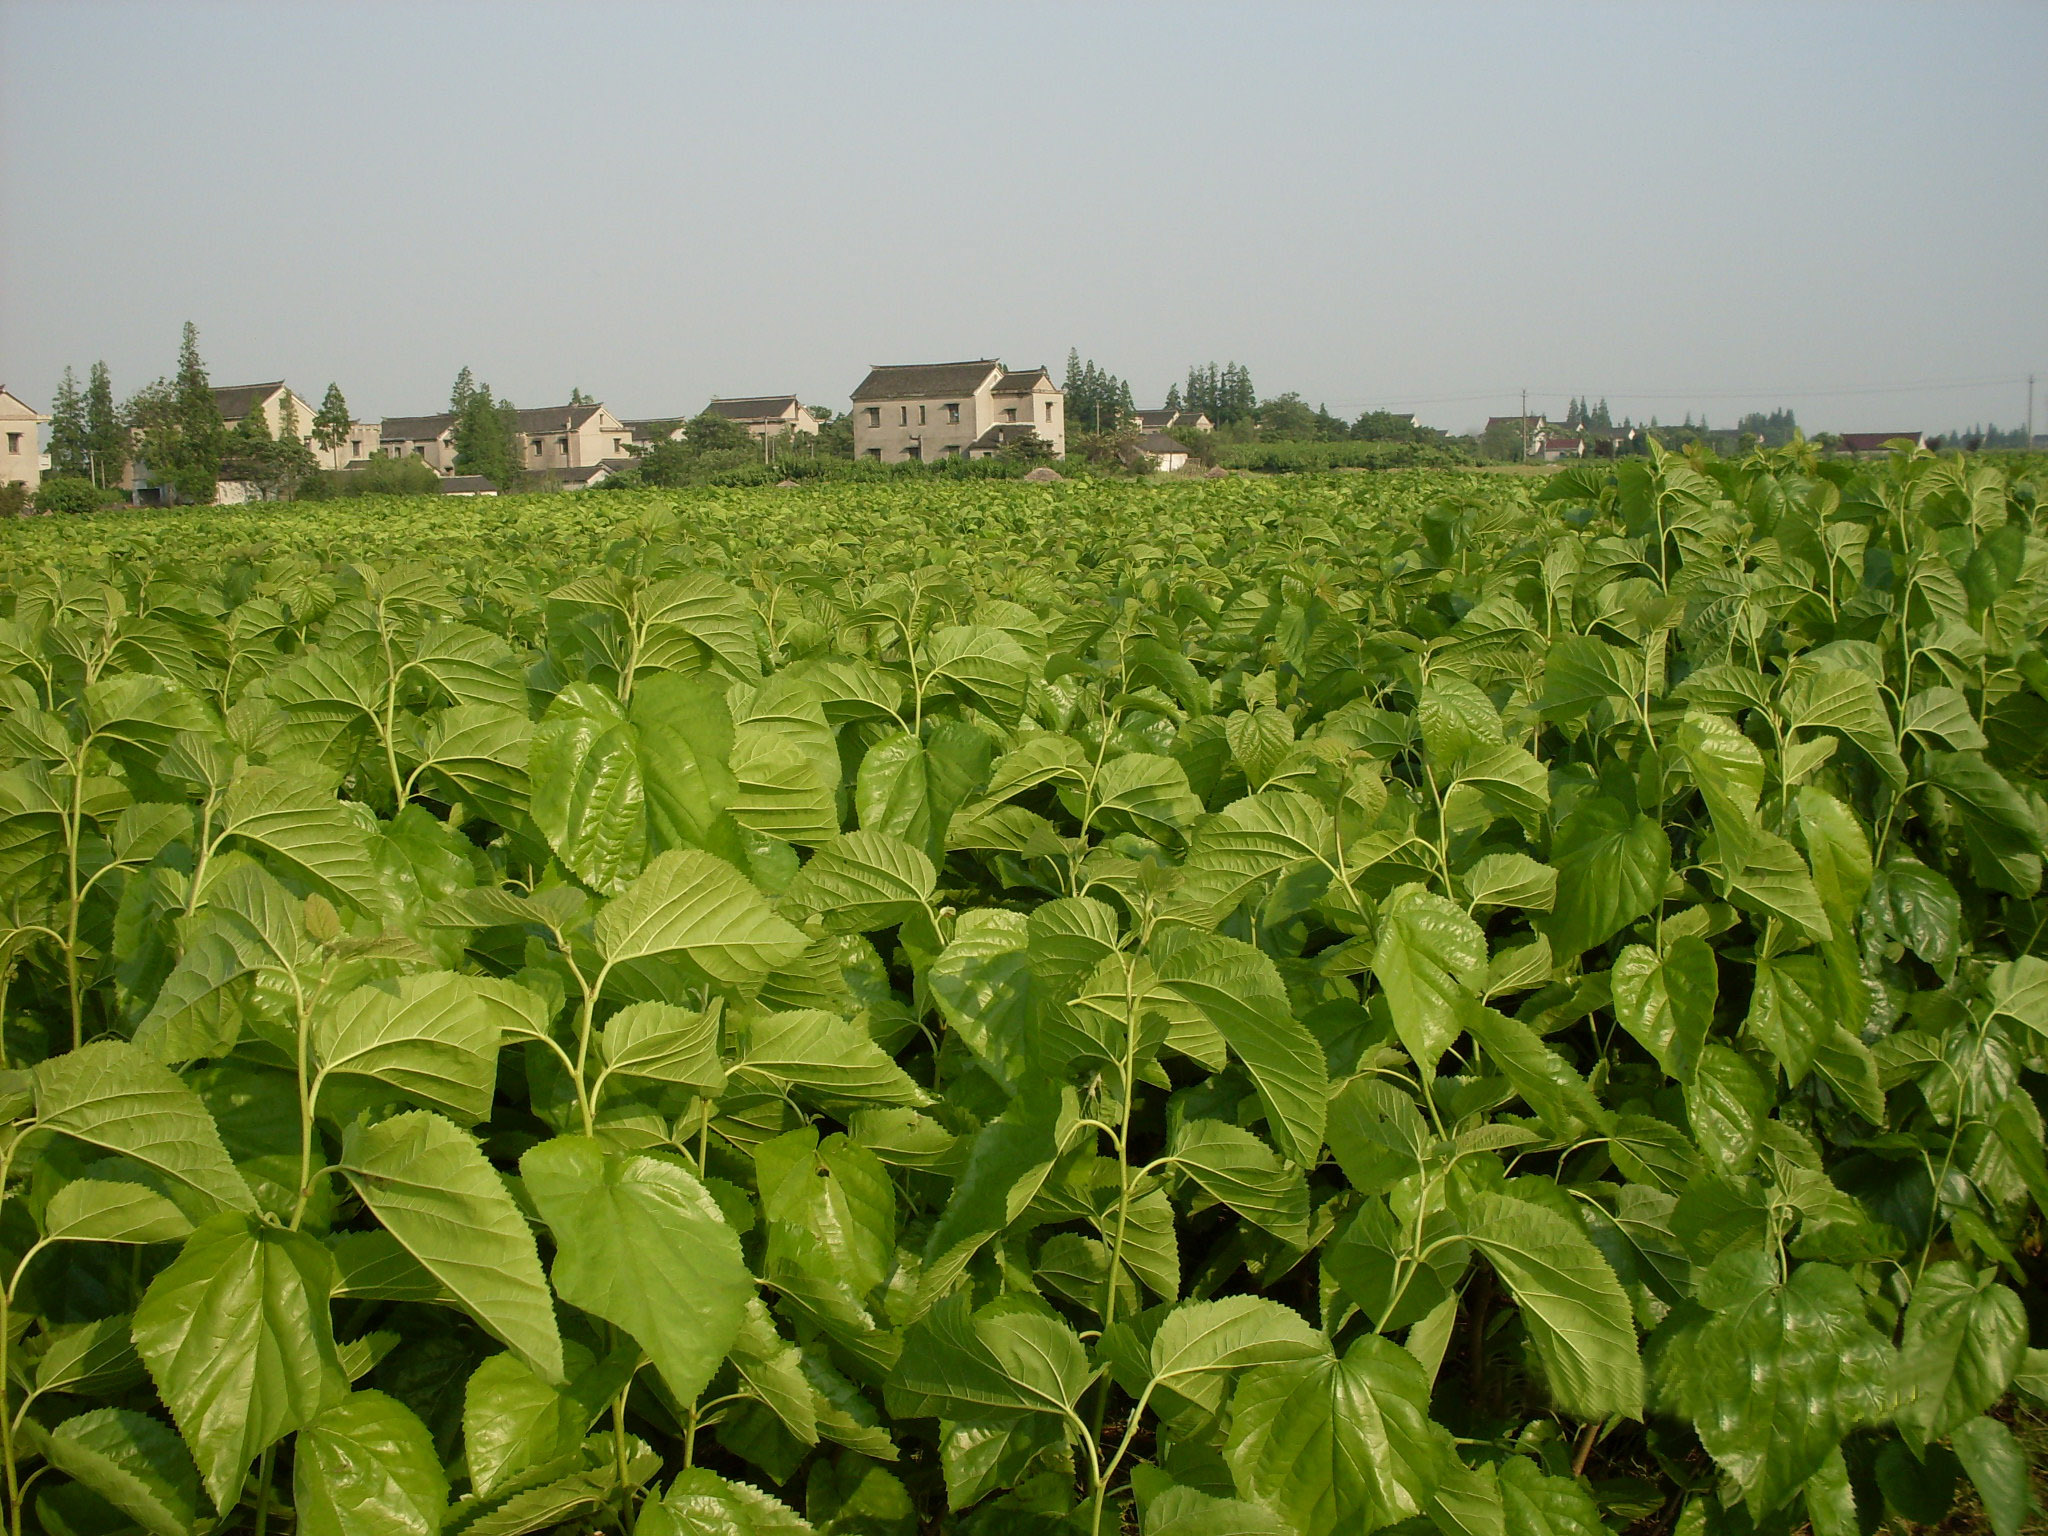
x=1525, y=426
x=2028, y=445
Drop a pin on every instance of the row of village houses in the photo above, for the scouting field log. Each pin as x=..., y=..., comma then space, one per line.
x=1551, y=442
x=907, y=411
x=924, y=411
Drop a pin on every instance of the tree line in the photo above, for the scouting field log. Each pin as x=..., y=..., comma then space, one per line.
x=173, y=426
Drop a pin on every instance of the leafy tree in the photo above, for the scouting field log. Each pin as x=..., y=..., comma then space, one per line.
x=835, y=437
x=106, y=435
x=1504, y=441
x=459, y=396
x=577, y=397
x=331, y=424
x=1383, y=427
x=709, y=432
x=70, y=445
x=1173, y=397
x=382, y=475
x=1287, y=418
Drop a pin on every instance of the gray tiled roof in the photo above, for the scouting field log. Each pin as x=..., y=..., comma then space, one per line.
x=756, y=407
x=234, y=401
x=1022, y=382
x=556, y=418
x=1171, y=416
x=1158, y=443
x=914, y=381
x=416, y=429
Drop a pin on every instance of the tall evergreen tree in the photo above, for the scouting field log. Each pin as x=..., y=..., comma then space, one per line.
x=70, y=447
x=182, y=436
x=202, y=437
x=291, y=459
x=487, y=438
x=1173, y=402
x=465, y=388
x=106, y=436
x=577, y=397
x=1225, y=394
x=1097, y=400
x=331, y=424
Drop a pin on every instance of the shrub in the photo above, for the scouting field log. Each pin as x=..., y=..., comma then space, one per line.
x=68, y=493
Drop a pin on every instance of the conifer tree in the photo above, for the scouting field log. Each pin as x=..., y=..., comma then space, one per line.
x=465, y=388
x=487, y=438
x=70, y=448
x=331, y=425
x=106, y=437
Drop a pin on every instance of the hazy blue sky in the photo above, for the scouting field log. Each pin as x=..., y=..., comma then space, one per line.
x=1707, y=207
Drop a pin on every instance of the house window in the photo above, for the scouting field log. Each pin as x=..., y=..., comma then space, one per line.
x=355, y=447
x=1010, y=413
x=953, y=415
x=419, y=450
x=875, y=453
x=904, y=412
x=562, y=443
x=536, y=447
x=920, y=415
x=874, y=415
x=14, y=442
x=1048, y=410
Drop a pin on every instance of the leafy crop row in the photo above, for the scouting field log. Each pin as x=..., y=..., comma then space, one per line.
x=1489, y=1007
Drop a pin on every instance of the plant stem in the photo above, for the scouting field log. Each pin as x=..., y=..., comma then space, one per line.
x=265, y=1469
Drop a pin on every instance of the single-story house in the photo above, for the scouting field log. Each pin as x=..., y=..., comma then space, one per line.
x=1552, y=446
x=582, y=477
x=1168, y=453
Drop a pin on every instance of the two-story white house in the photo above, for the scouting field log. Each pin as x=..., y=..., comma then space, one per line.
x=954, y=410
x=21, y=451
x=552, y=438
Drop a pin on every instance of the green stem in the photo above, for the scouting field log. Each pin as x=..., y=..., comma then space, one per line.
x=266, y=1467
x=584, y=1020
x=71, y=836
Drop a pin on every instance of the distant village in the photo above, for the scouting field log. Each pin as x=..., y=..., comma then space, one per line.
x=899, y=413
